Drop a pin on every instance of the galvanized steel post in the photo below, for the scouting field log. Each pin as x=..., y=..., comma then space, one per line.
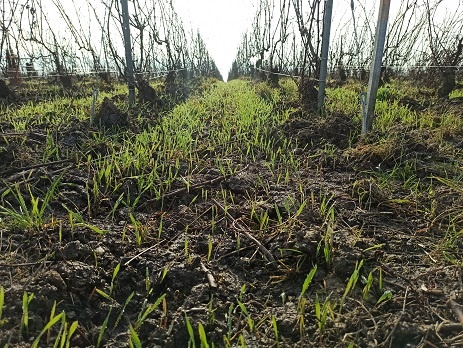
x=324, y=57
x=375, y=71
x=128, y=51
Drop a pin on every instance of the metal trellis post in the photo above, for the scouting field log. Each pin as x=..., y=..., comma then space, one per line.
x=128, y=51
x=324, y=57
x=375, y=71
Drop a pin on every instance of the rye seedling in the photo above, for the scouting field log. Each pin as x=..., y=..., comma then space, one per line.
x=202, y=336
x=64, y=336
x=147, y=281
x=76, y=220
x=322, y=312
x=211, y=310
x=186, y=248
x=301, y=317
x=32, y=217
x=229, y=316
x=116, y=205
x=191, y=333
x=164, y=273
x=351, y=283
x=138, y=228
x=51, y=150
x=325, y=205
x=368, y=284
x=2, y=303
x=147, y=311
x=104, y=326
x=113, y=278
x=387, y=295
x=277, y=210
x=327, y=238
x=275, y=330
x=160, y=226
x=121, y=313
x=24, y=328
x=308, y=281
x=264, y=220
x=210, y=241
x=134, y=341
x=242, y=341
x=65, y=333
x=249, y=320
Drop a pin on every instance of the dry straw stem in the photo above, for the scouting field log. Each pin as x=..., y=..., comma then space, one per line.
x=391, y=335
x=35, y=166
x=245, y=232
x=210, y=277
x=192, y=187
x=456, y=309
x=28, y=171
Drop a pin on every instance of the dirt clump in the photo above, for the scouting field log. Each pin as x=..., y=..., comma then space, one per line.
x=147, y=94
x=314, y=131
x=6, y=94
x=308, y=94
x=109, y=116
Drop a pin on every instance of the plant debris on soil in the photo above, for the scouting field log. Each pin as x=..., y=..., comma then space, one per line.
x=214, y=241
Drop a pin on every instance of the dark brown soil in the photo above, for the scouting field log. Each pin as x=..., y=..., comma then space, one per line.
x=6, y=94
x=109, y=116
x=400, y=233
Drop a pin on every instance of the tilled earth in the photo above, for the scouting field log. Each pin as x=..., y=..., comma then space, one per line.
x=219, y=266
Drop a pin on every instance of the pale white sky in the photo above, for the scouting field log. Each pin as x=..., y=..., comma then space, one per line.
x=221, y=24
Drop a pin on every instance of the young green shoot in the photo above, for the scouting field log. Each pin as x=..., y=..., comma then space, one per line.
x=121, y=313
x=148, y=310
x=191, y=333
x=322, y=311
x=134, y=341
x=351, y=283
x=275, y=330
x=186, y=248
x=210, y=244
x=250, y=321
x=202, y=336
x=24, y=329
x=2, y=302
x=64, y=335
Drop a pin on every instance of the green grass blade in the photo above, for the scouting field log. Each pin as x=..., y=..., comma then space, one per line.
x=134, y=339
x=72, y=329
x=2, y=301
x=191, y=341
x=123, y=310
x=202, y=336
x=103, y=329
x=47, y=327
x=148, y=311
x=275, y=330
x=308, y=281
x=105, y=295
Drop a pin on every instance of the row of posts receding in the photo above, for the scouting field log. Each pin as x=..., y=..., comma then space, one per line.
x=368, y=110
x=375, y=71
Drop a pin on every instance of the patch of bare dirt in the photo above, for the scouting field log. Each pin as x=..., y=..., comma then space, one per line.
x=312, y=131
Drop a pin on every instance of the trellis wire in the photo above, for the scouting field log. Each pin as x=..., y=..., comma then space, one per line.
x=161, y=73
